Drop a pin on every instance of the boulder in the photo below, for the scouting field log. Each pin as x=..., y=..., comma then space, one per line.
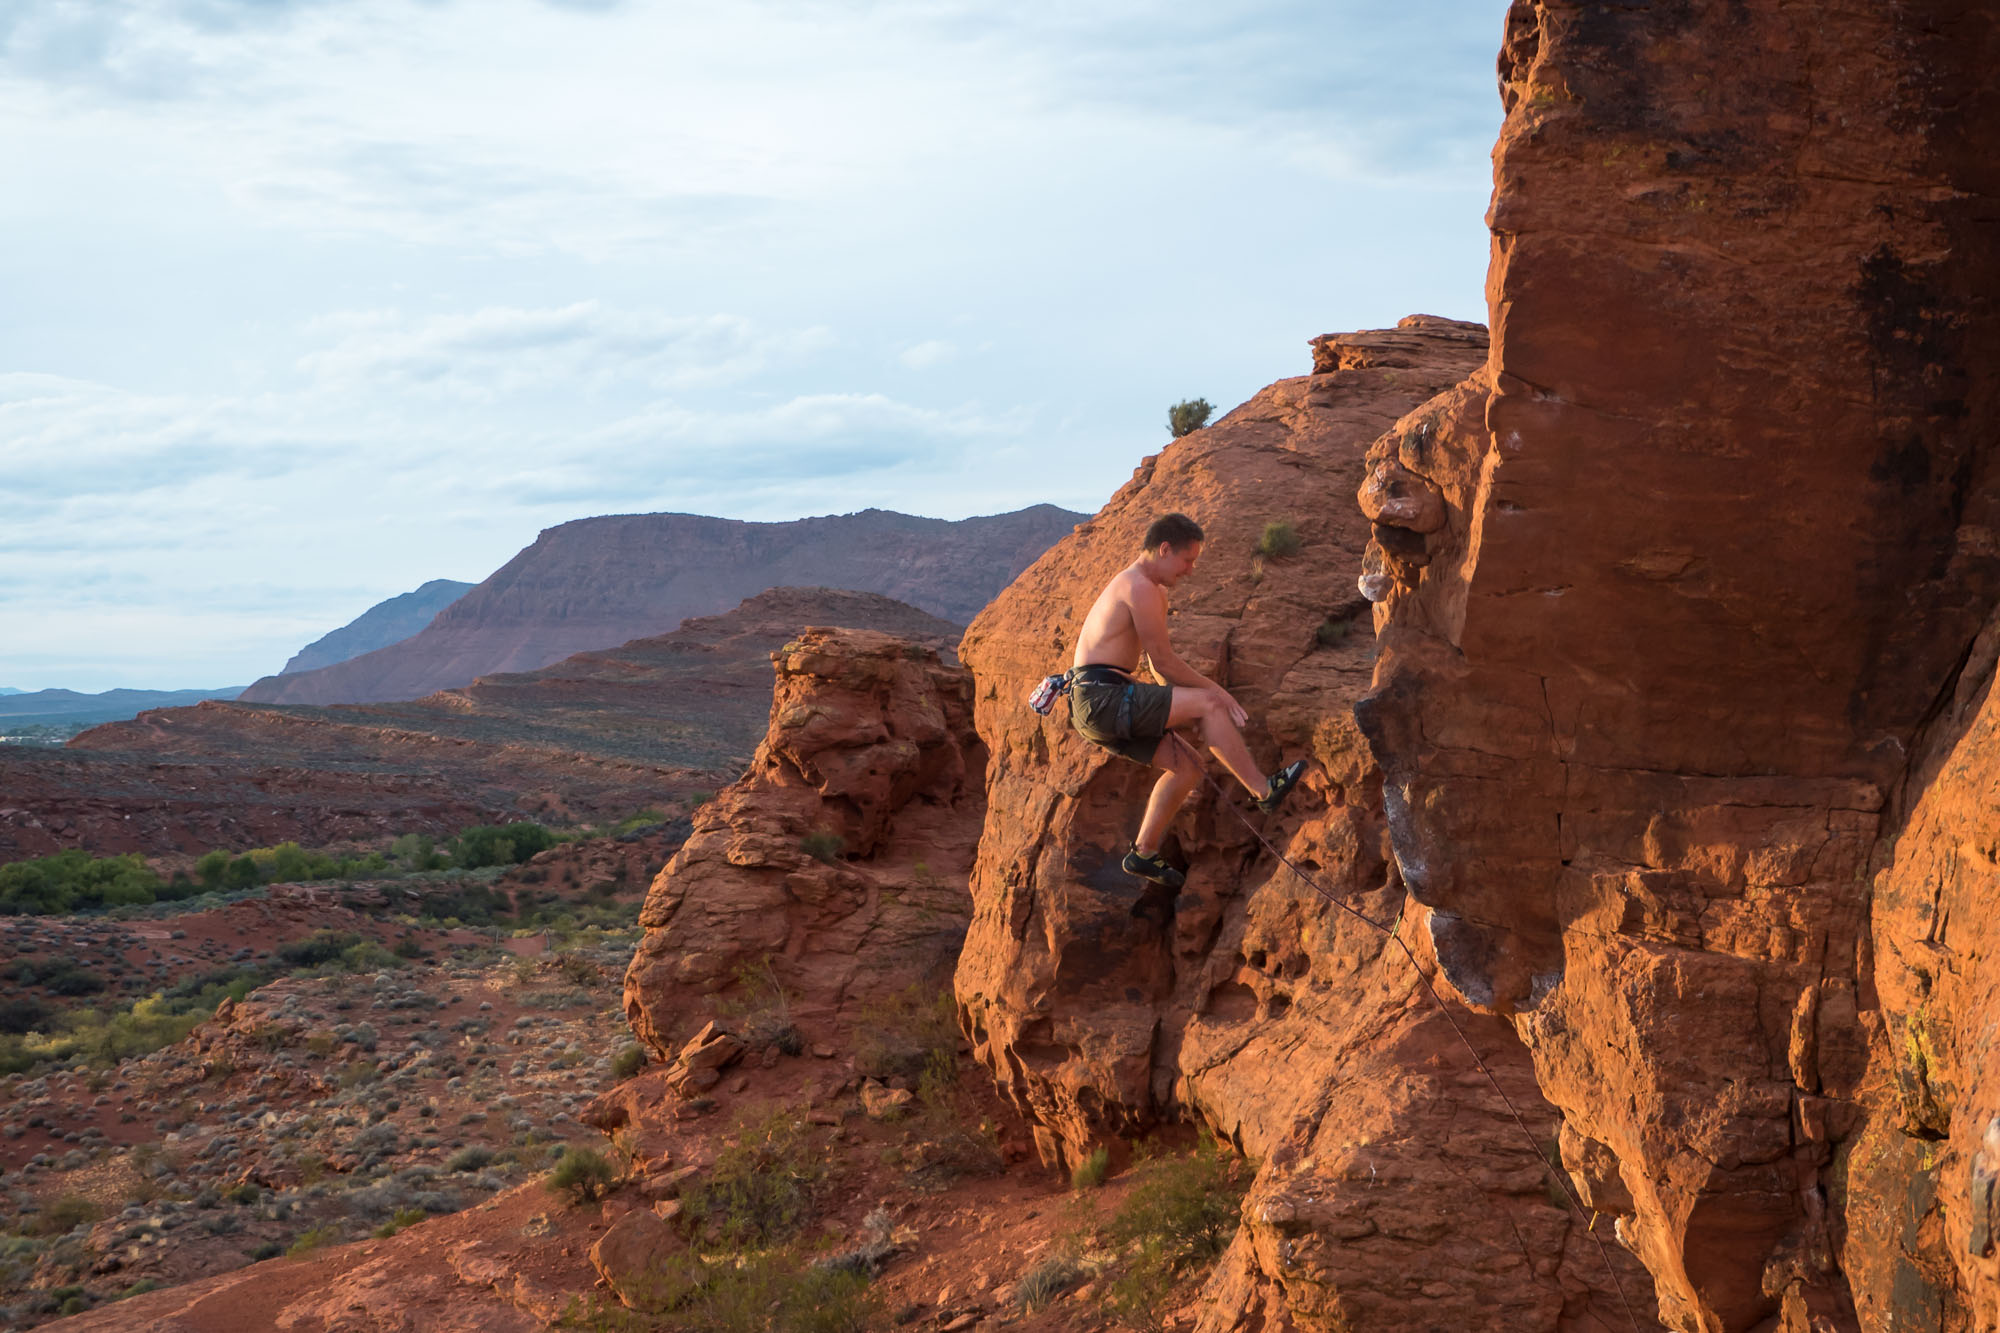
x=644, y=1262
x=833, y=874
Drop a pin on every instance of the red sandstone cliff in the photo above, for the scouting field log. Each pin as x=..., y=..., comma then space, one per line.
x=598, y=582
x=1680, y=642
x=1395, y=1190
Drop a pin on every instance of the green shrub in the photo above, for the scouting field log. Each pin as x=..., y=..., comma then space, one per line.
x=1332, y=631
x=64, y=1215
x=416, y=851
x=1188, y=416
x=23, y=1013
x=322, y=946
x=1141, y=1292
x=473, y=1157
x=1089, y=1173
x=579, y=969
x=1280, y=540
x=823, y=845
x=269, y=1249
x=1040, y=1285
x=637, y=820
x=772, y=1291
x=762, y=1189
x=312, y=1238
x=403, y=1217
x=1189, y=1205
x=59, y=976
x=583, y=1174
x=105, y=1038
x=628, y=1061
x=76, y=881
x=911, y=1033
x=500, y=845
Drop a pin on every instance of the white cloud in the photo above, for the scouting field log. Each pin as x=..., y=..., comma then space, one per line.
x=930, y=352
x=491, y=352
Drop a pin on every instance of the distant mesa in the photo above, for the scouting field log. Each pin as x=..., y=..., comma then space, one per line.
x=600, y=582
x=595, y=736
x=60, y=707
x=9, y=689
x=379, y=626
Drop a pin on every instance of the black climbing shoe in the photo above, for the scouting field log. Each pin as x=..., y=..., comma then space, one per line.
x=1280, y=786
x=1153, y=868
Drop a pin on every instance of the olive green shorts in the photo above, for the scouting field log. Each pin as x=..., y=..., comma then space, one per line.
x=1125, y=716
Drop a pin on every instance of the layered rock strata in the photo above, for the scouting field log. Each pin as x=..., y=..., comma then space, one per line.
x=833, y=874
x=598, y=582
x=1287, y=1025
x=1666, y=612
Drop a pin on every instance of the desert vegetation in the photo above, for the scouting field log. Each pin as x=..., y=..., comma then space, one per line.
x=1188, y=416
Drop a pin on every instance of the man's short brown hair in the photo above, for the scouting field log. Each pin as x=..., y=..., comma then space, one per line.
x=1176, y=530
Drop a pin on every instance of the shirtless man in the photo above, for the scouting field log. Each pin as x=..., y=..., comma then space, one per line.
x=1131, y=718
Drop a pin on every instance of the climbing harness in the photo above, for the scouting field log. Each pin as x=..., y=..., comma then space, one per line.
x=1561, y=1178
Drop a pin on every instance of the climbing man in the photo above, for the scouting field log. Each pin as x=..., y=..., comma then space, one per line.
x=1132, y=718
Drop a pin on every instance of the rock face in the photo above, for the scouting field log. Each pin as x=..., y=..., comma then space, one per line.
x=1669, y=605
x=1288, y=1025
x=601, y=581
x=833, y=874
x=379, y=626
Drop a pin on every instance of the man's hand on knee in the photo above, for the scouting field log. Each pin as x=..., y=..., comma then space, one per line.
x=1225, y=705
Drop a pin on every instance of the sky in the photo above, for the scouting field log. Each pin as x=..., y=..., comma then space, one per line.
x=311, y=301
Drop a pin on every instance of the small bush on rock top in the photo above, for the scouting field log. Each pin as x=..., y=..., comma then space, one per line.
x=583, y=1174
x=628, y=1061
x=1188, y=416
x=1280, y=541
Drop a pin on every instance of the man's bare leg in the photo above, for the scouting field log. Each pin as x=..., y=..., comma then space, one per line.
x=1219, y=734
x=1170, y=793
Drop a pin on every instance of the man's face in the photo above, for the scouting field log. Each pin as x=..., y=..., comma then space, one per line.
x=1175, y=565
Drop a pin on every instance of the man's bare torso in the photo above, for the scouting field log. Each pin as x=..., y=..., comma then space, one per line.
x=1110, y=637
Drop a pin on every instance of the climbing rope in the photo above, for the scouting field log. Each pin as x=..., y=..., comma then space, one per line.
x=1560, y=1177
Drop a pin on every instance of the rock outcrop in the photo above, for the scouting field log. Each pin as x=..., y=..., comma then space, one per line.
x=601, y=581
x=833, y=874
x=1671, y=605
x=1396, y=1189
